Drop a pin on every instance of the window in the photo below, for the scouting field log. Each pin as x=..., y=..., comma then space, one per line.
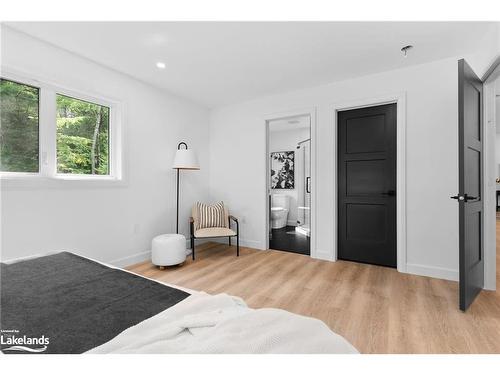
x=82, y=137
x=19, y=127
x=55, y=133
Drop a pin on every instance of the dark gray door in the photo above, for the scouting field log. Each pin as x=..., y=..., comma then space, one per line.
x=367, y=185
x=470, y=153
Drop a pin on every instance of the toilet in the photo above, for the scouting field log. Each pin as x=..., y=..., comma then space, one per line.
x=280, y=204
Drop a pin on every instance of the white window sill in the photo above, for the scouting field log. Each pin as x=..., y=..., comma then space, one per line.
x=35, y=181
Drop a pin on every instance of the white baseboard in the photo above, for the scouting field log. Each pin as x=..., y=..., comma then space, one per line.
x=252, y=244
x=430, y=271
x=140, y=257
x=488, y=285
x=323, y=255
x=414, y=269
x=131, y=259
x=243, y=242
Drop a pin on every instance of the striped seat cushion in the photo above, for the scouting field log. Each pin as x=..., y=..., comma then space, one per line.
x=211, y=215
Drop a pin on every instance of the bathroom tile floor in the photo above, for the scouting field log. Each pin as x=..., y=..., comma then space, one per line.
x=287, y=240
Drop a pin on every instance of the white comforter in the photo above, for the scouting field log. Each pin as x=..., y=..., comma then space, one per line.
x=204, y=323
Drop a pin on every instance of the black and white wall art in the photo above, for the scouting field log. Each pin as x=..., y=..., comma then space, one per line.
x=283, y=170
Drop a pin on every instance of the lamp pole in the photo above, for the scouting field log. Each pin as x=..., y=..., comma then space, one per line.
x=177, y=226
x=178, y=175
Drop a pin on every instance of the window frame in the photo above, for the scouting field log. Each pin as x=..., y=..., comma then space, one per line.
x=111, y=156
x=47, y=137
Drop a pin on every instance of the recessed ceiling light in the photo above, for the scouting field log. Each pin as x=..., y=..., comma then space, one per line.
x=160, y=65
x=405, y=50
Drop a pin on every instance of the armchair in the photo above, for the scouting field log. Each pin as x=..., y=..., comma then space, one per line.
x=214, y=232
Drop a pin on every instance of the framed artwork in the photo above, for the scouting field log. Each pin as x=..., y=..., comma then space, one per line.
x=283, y=170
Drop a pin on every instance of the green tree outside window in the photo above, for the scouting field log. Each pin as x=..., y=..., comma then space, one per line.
x=18, y=127
x=82, y=137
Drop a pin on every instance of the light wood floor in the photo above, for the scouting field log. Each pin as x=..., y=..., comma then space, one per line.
x=379, y=310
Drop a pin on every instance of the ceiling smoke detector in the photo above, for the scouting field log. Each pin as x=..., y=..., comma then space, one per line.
x=405, y=50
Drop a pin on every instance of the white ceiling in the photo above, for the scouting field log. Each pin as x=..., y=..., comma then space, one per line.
x=217, y=63
x=289, y=123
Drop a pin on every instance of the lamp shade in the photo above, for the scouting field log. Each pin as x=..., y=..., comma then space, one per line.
x=185, y=159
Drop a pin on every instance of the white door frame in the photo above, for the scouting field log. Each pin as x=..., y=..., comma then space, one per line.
x=400, y=99
x=490, y=174
x=311, y=112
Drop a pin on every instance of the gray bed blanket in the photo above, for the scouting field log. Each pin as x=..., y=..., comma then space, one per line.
x=64, y=303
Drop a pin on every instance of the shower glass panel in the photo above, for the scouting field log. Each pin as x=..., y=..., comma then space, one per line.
x=304, y=188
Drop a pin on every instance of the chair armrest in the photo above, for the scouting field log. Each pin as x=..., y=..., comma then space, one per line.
x=235, y=219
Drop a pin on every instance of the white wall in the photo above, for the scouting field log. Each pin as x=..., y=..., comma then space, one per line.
x=287, y=140
x=497, y=156
x=432, y=159
x=497, y=106
x=488, y=49
x=491, y=172
x=112, y=223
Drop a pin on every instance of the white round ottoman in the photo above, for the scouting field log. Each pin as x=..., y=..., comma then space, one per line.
x=168, y=249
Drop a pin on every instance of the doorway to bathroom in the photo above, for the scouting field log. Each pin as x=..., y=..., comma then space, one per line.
x=289, y=184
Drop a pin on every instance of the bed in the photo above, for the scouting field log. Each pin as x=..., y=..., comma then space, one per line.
x=65, y=303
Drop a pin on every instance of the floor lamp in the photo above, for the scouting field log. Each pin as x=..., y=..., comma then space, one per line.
x=184, y=159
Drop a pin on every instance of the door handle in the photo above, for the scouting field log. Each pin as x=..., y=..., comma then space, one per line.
x=390, y=193
x=469, y=198
x=464, y=198
x=308, y=185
